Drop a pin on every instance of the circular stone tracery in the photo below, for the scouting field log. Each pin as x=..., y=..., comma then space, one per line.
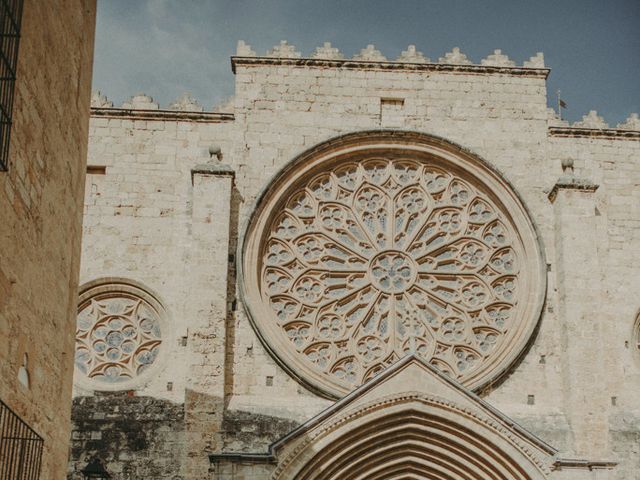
x=360, y=260
x=392, y=272
x=118, y=335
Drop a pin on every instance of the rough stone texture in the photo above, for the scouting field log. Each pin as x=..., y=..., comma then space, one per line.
x=245, y=432
x=41, y=197
x=142, y=222
x=136, y=437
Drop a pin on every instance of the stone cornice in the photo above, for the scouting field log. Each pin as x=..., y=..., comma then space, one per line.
x=242, y=457
x=177, y=115
x=215, y=169
x=607, y=133
x=570, y=182
x=564, y=463
x=387, y=65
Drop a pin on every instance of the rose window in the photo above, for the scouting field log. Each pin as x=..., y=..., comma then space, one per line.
x=363, y=261
x=118, y=335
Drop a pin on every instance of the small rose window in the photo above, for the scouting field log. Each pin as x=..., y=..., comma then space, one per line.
x=119, y=334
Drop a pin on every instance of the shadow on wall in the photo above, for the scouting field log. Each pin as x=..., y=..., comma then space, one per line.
x=245, y=432
x=145, y=437
x=134, y=437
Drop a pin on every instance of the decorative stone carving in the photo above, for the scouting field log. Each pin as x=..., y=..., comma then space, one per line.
x=455, y=57
x=362, y=261
x=554, y=119
x=371, y=428
x=100, y=101
x=244, y=50
x=592, y=120
x=118, y=335
x=537, y=61
x=631, y=123
x=569, y=181
x=370, y=54
x=498, y=59
x=284, y=50
x=411, y=55
x=141, y=101
x=186, y=103
x=327, y=52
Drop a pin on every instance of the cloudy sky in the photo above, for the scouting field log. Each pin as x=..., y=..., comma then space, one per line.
x=167, y=47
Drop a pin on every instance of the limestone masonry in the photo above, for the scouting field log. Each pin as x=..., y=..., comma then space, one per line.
x=360, y=268
x=41, y=201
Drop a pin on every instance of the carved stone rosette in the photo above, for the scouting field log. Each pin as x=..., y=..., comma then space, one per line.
x=382, y=244
x=119, y=334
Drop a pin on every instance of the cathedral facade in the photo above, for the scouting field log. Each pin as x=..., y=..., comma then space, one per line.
x=360, y=268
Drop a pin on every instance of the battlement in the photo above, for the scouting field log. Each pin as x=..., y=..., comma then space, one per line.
x=371, y=58
x=532, y=73
x=593, y=125
x=143, y=107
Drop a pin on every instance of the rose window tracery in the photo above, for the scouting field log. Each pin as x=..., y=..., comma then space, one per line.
x=375, y=258
x=118, y=335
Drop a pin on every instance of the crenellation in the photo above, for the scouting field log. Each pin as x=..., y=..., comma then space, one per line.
x=98, y=100
x=186, y=103
x=370, y=54
x=498, y=59
x=244, y=50
x=455, y=57
x=412, y=55
x=537, y=61
x=591, y=120
x=327, y=52
x=284, y=50
x=631, y=123
x=140, y=101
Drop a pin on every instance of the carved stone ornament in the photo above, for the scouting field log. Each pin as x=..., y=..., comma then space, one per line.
x=119, y=335
x=381, y=244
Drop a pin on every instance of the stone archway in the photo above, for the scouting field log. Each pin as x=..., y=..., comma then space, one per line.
x=445, y=434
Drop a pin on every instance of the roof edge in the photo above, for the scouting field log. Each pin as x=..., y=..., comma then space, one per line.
x=390, y=65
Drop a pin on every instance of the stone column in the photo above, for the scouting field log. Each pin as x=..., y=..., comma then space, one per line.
x=579, y=281
x=207, y=310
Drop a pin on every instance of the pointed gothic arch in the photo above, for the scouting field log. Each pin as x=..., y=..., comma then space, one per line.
x=409, y=422
x=418, y=435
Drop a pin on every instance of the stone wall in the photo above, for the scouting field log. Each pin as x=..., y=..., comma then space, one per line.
x=140, y=207
x=600, y=359
x=135, y=437
x=149, y=216
x=284, y=108
x=40, y=219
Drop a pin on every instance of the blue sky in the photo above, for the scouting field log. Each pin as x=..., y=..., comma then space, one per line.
x=167, y=47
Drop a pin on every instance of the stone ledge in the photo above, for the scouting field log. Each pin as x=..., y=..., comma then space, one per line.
x=217, y=169
x=564, y=463
x=610, y=133
x=388, y=65
x=569, y=182
x=127, y=113
x=242, y=457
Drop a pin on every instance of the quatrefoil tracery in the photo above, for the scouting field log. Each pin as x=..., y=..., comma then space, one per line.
x=382, y=257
